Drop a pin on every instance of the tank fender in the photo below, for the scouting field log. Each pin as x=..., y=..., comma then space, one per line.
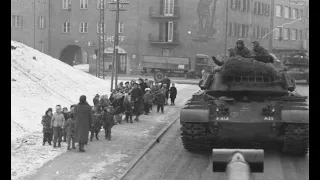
x=194, y=115
x=295, y=116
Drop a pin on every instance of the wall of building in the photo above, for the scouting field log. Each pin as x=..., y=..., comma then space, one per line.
x=302, y=23
x=29, y=33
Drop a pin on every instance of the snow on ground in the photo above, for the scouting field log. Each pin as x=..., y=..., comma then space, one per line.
x=82, y=67
x=38, y=82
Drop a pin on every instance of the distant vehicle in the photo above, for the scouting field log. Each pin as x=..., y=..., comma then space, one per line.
x=298, y=66
x=196, y=66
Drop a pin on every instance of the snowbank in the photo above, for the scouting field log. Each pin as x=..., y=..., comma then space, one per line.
x=82, y=67
x=38, y=82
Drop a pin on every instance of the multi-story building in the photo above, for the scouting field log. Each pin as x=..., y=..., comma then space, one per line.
x=291, y=27
x=170, y=28
x=30, y=23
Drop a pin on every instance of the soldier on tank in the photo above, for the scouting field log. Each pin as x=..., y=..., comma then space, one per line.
x=231, y=53
x=241, y=50
x=258, y=50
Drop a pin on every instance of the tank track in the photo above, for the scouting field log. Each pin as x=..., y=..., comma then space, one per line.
x=296, y=140
x=193, y=136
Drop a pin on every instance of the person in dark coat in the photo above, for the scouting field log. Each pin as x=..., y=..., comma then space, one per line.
x=173, y=93
x=258, y=50
x=70, y=127
x=83, y=116
x=97, y=123
x=142, y=84
x=147, y=101
x=108, y=121
x=128, y=106
x=161, y=98
x=166, y=81
x=136, y=97
x=241, y=50
x=47, y=130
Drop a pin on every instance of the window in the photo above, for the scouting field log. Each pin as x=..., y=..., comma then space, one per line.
x=246, y=31
x=230, y=28
x=259, y=8
x=16, y=21
x=66, y=27
x=243, y=31
x=294, y=13
x=233, y=4
x=307, y=34
x=65, y=4
x=244, y=5
x=294, y=34
x=168, y=7
x=83, y=4
x=267, y=33
x=121, y=27
x=99, y=5
x=100, y=27
x=286, y=33
x=83, y=28
x=255, y=7
x=258, y=32
x=301, y=35
x=41, y=22
x=167, y=52
x=239, y=30
x=267, y=12
x=301, y=13
x=278, y=10
x=170, y=31
x=234, y=29
x=286, y=12
x=41, y=46
x=277, y=33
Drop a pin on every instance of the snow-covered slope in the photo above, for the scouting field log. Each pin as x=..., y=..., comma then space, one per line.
x=38, y=82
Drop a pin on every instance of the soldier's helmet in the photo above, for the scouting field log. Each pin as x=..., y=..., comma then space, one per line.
x=240, y=41
x=255, y=43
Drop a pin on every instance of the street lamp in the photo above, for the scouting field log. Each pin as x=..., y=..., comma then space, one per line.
x=116, y=5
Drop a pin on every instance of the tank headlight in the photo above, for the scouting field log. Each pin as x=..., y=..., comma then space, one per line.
x=217, y=109
x=273, y=110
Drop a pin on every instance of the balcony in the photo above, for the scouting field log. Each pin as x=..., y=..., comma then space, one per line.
x=157, y=40
x=154, y=13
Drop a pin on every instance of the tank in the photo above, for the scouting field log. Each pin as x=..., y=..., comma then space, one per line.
x=240, y=105
x=298, y=66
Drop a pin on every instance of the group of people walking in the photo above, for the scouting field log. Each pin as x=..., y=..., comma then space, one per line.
x=131, y=99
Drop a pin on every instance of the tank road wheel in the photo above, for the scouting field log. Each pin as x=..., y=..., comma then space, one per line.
x=159, y=76
x=296, y=140
x=193, y=137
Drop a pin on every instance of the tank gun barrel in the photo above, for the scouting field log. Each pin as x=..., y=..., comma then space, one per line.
x=238, y=164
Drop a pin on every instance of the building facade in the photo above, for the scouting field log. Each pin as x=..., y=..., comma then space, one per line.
x=171, y=28
x=291, y=27
x=30, y=23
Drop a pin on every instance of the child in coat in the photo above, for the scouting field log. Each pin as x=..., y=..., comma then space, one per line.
x=161, y=99
x=66, y=117
x=97, y=123
x=173, y=93
x=128, y=106
x=147, y=101
x=70, y=129
x=108, y=121
x=47, y=130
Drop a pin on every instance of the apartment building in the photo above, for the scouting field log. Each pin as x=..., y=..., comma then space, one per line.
x=291, y=27
x=30, y=23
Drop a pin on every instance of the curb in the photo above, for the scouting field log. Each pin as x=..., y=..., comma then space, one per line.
x=147, y=148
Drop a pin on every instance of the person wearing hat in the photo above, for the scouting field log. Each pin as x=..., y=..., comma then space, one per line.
x=83, y=116
x=142, y=84
x=108, y=121
x=241, y=50
x=136, y=97
x=258, y=50
x=147, y=101
x=47, y=130
x=173, y=93
x=128, y=107
x=96, y=100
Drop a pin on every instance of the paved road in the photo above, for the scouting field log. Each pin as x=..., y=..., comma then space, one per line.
x=169, y=160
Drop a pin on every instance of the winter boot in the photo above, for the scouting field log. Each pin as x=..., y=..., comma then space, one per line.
x=49, y=143
x=59, y=144
x=74, y=147
x=91, y=136
x=68, y=148
x=127, y=120
x=54, y=145
x=81, y=149
x=131, y=121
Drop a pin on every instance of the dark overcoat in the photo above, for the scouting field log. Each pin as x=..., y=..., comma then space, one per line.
x=136, y=97
x=46, y=122
x=173, y=92
x=83, y=116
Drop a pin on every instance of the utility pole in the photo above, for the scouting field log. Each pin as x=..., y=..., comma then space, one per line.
x=101, y=41
x=226, y=32
x=114, y=5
